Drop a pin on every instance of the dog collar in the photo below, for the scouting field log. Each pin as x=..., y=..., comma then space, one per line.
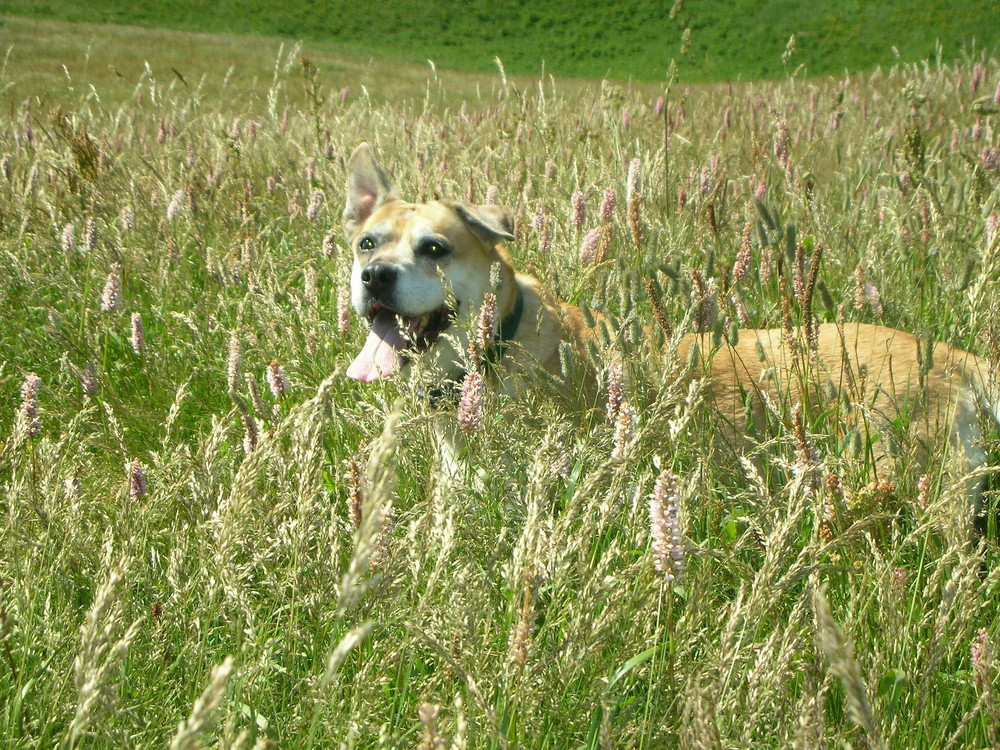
x=508, y=327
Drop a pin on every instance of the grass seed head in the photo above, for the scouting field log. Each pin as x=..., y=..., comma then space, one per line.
x=432, y=740
x=616, y=394
x=253, y=388
x=808, y=464
x=330, y=243
x=355, y=491
x=742, y=266
x=524, y=628
x=624, y=430
x=234, y=361
x=343, y=309
x=989, y=159
x=843, y=665
x=588, y=247
x=488, y=324
x=126, y=219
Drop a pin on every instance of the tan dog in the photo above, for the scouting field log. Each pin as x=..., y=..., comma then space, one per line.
x=419, y=267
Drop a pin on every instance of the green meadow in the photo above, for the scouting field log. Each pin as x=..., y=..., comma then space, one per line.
x=210, y=537
x=709, y=40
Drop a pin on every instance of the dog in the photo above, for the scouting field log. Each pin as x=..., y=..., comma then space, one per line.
x=420, y=267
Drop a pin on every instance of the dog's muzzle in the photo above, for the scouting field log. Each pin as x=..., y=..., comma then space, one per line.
x=393, y=334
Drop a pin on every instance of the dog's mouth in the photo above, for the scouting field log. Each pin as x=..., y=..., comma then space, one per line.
x=392, y=335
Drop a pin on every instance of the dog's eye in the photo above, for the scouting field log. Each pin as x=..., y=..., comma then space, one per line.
x=434, y=249
x=367, y=244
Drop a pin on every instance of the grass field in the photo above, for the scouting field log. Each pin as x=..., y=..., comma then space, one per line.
x=709, y=40
x=193, y=552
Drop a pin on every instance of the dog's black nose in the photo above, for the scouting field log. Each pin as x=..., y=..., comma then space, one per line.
x=378, y=276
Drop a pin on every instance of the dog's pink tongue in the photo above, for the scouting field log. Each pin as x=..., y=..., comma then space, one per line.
x=380, y=356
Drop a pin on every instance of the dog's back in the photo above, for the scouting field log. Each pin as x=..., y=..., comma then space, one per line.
x=860, y=378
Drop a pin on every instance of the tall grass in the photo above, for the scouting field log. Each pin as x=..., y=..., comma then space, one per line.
x=214, y=537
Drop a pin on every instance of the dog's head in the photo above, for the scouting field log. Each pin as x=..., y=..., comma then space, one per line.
x=418, y=267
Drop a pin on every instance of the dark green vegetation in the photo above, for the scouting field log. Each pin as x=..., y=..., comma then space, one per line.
x=631, y=39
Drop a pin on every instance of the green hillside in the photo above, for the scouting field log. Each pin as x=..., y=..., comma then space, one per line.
x=709, y=40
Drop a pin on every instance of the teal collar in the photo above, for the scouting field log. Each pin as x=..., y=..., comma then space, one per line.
x=508, y=327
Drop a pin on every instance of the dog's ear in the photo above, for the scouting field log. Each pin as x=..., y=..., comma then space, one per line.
x=491, y=223
x=367, y=188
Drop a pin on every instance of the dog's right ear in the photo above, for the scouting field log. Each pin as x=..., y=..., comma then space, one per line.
x=491, y=223
x=367, y=188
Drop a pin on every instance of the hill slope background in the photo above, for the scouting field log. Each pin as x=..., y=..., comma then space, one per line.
x=709, y=40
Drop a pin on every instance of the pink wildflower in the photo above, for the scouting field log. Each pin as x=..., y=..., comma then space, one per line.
x=136, y=480
x=312, y=213
x=588, y=247
x=470, y=405
x=982, y=658
x=175, y=206
x=68, y=238
x=277, y=380
x=343, y=310
x=664, y=526
x=27, y=416
x=608, y=204
x=111, y=299
x=138, y=334
x=579, y=209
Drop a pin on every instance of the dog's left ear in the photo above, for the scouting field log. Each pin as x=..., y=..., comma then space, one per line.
x=367, y=188
x=489, y=222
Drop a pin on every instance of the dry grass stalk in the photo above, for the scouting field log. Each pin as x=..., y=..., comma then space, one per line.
x=843, y=665
x=370, y=540
x=203, y=712
x=103, y=647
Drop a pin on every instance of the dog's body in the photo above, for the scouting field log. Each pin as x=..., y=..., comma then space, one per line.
x=418, y=267
x=863, y=378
